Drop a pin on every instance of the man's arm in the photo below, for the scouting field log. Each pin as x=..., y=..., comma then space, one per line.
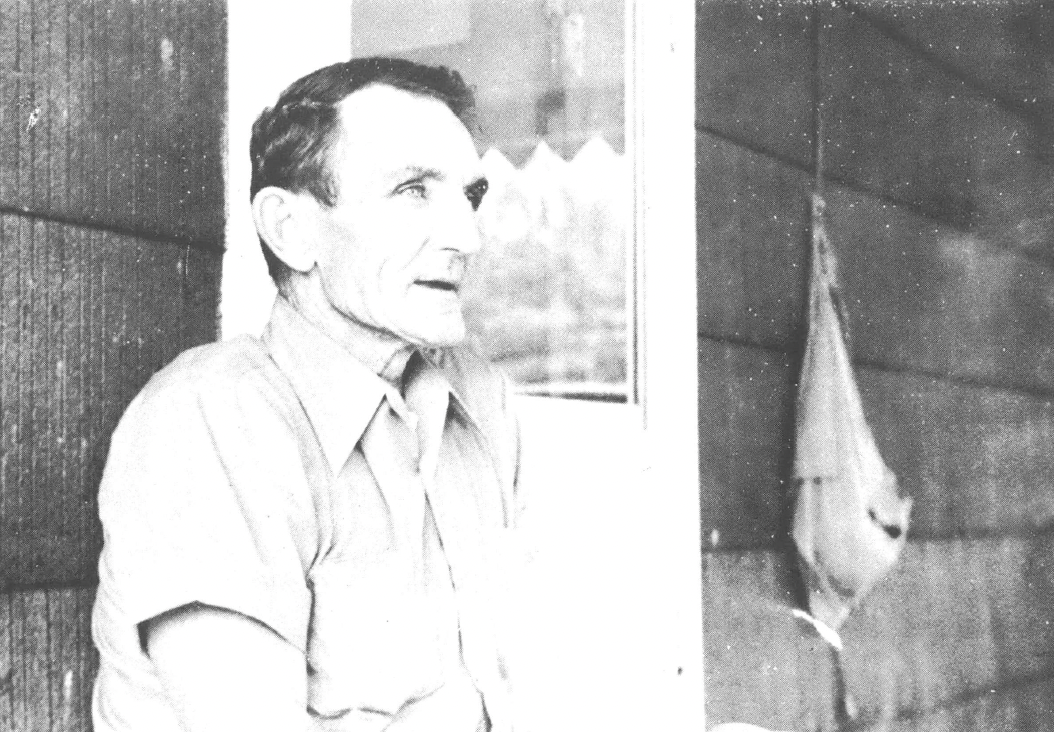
x=226, y=672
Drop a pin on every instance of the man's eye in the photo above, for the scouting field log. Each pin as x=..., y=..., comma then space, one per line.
x=475, y=192
x=415, y=188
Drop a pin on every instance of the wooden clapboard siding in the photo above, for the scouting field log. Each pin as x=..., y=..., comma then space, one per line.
x=989, y=606
x=201, y=270
x=88, y=316
x=879, y=98
x=754, y=86
x=939, y=204
x=936, y=299
x=752, y=75
x=1021, y=707
x=925, y=295
x=1001, y=47
x=129, y=96
x=977, y=460
x=752, y=252
x=111, y=228
x=745, y=428
x=47, y=662
x=943, y=631
x=761, y=665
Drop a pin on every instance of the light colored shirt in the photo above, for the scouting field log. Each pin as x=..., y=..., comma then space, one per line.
x=282, y=479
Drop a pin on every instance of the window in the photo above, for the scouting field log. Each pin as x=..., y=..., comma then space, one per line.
x=547, y=299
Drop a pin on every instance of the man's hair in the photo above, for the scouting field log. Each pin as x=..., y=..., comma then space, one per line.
x=292, y=141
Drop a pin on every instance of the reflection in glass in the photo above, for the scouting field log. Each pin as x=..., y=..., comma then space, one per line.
x=547, y=295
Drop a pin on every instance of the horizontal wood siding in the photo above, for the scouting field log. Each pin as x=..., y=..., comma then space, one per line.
x=763, y=665
x=878, y=98
x=978, y=460
x=1024, y=707
x=989, y=607
x=111, y=238
x=926, y=296
x=111, y=114
x=940, y=209
x=47, y=661
x=959, y=147
x=753, y=83
x=1002, y=49
x=87, y=316
x=957, y=622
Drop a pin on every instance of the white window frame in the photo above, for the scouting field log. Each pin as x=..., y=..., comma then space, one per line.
x=662, y=416
x=269, y=46
x=667, y=302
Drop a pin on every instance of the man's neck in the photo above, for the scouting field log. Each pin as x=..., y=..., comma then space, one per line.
x=383, y=353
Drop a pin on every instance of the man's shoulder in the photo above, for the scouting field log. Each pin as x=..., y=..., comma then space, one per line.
x=220, y=365
x=211, y=376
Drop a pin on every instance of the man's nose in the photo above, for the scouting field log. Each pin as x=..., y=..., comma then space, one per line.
x=459, y=230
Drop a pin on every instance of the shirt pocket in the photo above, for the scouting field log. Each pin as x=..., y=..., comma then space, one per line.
x=368, y=644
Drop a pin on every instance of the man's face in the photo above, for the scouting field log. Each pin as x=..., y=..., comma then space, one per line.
x=392, y=252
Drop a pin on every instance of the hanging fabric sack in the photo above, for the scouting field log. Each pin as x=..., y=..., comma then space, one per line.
x=850, y=523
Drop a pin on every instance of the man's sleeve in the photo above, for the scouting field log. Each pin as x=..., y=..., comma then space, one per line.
x=200, y=502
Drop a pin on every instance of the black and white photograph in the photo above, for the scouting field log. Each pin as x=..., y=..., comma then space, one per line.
x=526, y=365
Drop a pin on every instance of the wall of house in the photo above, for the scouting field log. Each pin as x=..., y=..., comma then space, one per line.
x=111, y=221
x=111, y=227
x=940, y=211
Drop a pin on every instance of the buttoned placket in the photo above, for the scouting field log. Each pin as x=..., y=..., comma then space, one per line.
x=430, y=396
x=402, y=447
x=402, y=443
x=392, y=449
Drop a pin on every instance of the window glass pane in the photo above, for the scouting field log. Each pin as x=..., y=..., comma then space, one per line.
x=547, y=299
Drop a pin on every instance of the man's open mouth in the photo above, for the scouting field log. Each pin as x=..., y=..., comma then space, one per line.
x=444, y=285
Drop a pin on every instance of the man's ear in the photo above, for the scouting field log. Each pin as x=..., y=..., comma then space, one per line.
x=281, y=221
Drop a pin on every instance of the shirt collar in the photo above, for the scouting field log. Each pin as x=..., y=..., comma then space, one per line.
x=338, y=391
x=443, y=361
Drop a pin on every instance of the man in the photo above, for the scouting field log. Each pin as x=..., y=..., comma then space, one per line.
x=304, y=531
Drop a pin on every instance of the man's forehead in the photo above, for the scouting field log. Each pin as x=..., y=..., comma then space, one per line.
x=391, y=130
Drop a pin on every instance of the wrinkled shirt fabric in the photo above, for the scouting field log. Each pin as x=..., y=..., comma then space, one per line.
x=280, y=478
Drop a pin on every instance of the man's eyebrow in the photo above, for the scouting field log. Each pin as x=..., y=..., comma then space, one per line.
x=415, y=172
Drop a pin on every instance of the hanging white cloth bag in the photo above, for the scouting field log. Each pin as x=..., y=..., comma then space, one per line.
x=850, y=523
